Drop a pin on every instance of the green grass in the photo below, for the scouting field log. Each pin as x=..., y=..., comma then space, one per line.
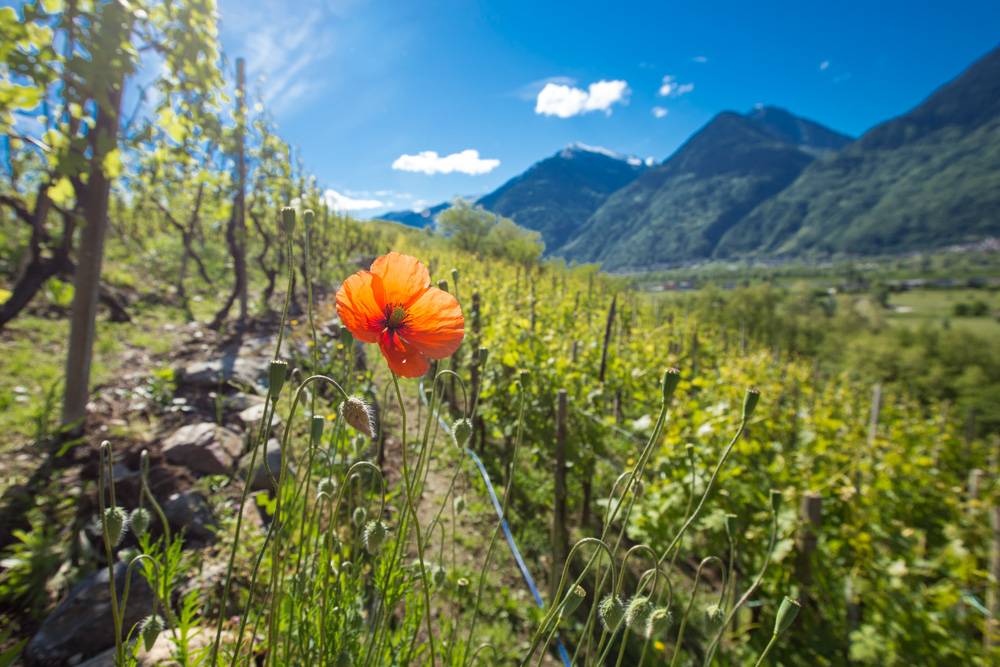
x=935, y=307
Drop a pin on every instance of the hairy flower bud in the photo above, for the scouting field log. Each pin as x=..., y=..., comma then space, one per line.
x=438, y=575
x=128, y=555
x=276, y=373
x=358, y=414
x=671, y=378
x=459, y=504
x=750, y=400
x=461, y=431
x=116, y=524
x=659, y=622
x=786, y=614
x=288, y=220
x=359, y=516
x=316, y=432
x=638, y=612
x=716, y=614
x=375, y=533
x=327, y=486
x=150, y=629
x=572, y=601
x=612, y=611
x=139, y=520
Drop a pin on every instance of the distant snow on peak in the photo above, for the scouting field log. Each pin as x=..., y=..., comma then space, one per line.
x=578, y=147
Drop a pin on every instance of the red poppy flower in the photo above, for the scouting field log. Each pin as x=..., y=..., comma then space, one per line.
x=395, y=306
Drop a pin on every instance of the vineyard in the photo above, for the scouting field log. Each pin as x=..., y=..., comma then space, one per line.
x=595, y=475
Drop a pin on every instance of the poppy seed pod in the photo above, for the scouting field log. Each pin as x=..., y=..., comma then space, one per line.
x=316, y=433
x=786, y=614
x=750, y=400
x=276, y=373
x=638, y=612
x=524, y=376
x=659, y=622
x=454, y=277
x=572, y=601
x=484, y=355
x=463, y=585
x=116, y=523
x=775, y=500
x=307, y=217
x=288, y=220
x=671, y=378
x=358, y=415
x=612, y=611
x=359, y=516
x=139, y=520
x=442, y=285
x=375, y=533
x=150, y=629
x=461, y=431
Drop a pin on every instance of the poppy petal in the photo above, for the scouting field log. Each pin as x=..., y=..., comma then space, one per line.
x=358, y=306
x=403, y=277
x=435, y=325
x=404, y=359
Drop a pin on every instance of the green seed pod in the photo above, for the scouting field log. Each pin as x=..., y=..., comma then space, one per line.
x=612, y=611
x=139, y=520
x=116, y=523
x=786, y=614
x=775, y=500
x=689, y=450
x=327, y=486
x=638, y=612
x=732, y=525
x=276, y=373
x=524, y=376
x=316, y=432
x=572, y=601
x=750, y=400
x=671, y=378
x=438, y=575
x=484, y=355
x=359, y=516
x=459, y=504
x=375, y=532
x=288, y=220
x=358, y=414
x=442, y=285
x=344, y=659
x=150, y=629
x=659, y=622
x=461, y=431
x=308, y=217
x=463, y=586
x=454, y=276
x=716, y=614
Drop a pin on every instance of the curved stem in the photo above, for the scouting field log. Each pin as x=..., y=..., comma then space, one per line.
x=694, y=592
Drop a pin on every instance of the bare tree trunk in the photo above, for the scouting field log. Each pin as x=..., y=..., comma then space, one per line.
x=240, y=258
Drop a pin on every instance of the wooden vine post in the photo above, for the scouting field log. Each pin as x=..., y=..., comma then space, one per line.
x=474, y=370
x=607, y=338
x=560, y=535
x=810, y=522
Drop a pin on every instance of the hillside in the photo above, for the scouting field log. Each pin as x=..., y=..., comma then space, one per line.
x=680, y=209
x=923, y=180
x=558, y=194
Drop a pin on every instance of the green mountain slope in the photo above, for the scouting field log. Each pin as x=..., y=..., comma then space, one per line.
x=679, y=210
x=923, y=180
x=558, y=194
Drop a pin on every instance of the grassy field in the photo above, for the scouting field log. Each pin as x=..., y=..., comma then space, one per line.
x=935, y=307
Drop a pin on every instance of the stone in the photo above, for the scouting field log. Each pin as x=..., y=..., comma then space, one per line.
x=211, y=373
x=81, y=626
x=242, y=400
x=163, y=652
x=252, y=416
x=189, y=511
x=204, y=448
x=260, y=481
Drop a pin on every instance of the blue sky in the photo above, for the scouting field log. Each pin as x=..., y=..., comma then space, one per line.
x=396, y=105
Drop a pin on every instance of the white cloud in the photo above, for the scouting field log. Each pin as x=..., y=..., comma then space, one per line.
x=429, y=162
x=530, y=91
x=670, y=87
x=339, y=202
x=660, y=112
x=566, y=101
x=823, y=65
x=699, y=59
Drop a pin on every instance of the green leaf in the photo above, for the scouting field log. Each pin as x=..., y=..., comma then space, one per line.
x=61, y=192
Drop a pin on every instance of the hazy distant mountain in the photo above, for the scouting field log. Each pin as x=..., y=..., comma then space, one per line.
x=926, y=179
x=421, y=218
x=680, y=209
x=558, y=194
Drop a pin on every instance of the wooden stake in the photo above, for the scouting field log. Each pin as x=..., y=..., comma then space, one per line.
x=560, y=535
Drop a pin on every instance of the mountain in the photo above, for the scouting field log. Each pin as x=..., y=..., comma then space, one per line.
x=682, y=208
x=558, y=194
x=924, y=180
x=422, y=218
